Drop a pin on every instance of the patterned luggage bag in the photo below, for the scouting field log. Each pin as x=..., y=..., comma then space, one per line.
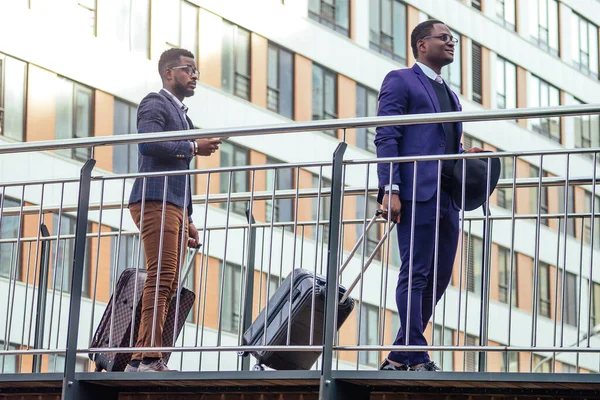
x=114, y=329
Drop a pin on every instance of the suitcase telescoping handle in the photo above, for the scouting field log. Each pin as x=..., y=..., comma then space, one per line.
x=188, y=267
x=371, y=257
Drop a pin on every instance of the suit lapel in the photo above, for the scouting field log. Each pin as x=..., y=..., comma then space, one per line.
x=427, y=85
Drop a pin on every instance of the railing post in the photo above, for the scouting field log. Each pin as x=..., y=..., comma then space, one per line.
x=40, y=316
x=249, y=295
x=485, y=286
x=327, y=389
x=70, y=388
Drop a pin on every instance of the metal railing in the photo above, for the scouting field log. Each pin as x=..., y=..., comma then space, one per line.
x=523, y=268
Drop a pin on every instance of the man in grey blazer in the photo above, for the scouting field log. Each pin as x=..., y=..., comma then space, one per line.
x=164, y=112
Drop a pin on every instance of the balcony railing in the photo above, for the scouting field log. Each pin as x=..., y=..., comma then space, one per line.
x=522, y=298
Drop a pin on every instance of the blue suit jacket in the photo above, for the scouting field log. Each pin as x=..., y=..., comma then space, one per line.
x=409, y=91
x=158, y=113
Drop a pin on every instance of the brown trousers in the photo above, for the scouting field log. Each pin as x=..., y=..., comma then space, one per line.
x=169, y=269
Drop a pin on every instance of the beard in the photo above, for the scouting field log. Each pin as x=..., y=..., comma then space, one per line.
x=185, y=90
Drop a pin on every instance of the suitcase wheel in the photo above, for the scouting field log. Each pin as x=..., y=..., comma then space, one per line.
x=258, y=367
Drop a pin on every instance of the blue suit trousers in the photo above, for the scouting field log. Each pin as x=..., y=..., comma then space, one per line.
x=418, y=269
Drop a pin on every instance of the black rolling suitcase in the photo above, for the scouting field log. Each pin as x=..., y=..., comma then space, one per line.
x=290, y=310
x=115, y=326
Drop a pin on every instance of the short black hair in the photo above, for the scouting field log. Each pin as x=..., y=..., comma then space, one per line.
x=422, y=30
x=169, y=58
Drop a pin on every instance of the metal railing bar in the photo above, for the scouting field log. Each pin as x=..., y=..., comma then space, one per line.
x=413, y=119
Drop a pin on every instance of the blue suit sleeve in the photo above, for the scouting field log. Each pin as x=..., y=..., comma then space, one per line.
x=393, y=100
x=152, y=117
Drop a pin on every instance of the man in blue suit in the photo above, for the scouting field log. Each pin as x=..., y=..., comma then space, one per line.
x=164, y=112
x=419, y=90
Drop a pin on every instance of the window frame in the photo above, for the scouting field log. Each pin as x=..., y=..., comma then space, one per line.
x=3, y=102
x=543, y=126
x=502, y=17
x=324, y=113
x=229, y=271
x=369, y=333
x=504, y=65
x=550, y=32
x=365, y=137
x=276, y=92
x=331, y=23
x=238, y=207
x=279, y=203
x=14, y=254
x=240, y=78
x=578, y=23
x=544, y=289
x=447, y=72
x=504, y=274
x=131, y=153
x=378, y=39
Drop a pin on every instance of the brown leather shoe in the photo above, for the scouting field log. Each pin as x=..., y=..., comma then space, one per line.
x=155, y=366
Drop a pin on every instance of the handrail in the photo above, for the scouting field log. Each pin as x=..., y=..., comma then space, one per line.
x=412, y=119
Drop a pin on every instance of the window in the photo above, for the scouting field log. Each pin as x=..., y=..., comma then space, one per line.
x=476, y=63
x=543, y=200
x=505, y=13
x=544, y=24
x=369, y=333
x=571, y=311
x=505, y=195
x=183, y=27
x=9, y=230
x=471, y=357
x=366, y=106
x=474, y=259
x=506, y=84
x=445, y=358
x=63, y=253
x=476, y=4
x=542, y=94
x=452, y=73
x=374, y=234
x=334, y=14
x=544, y=289
x=9, y=364
x=283, y=211
x=235, y=67
x=321, y=212
x=504, y=270
x=127, y=256
x=234, y=156
x=587, y=131
x=387, y=33
x=584, y=45
x=509, y=362
x=13, y=78
x=324, y=95
x=587, y=234
x=570, y=208
x=469, y=142
x=87, y=15
x=541, y=364
x=232, y=297
x=280, y=81
x=595, y=311
x=74, y=115
x=125, y=122
x=132, y=25
x=56, y=363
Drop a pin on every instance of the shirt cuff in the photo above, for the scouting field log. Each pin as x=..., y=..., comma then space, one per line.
x=386, y=188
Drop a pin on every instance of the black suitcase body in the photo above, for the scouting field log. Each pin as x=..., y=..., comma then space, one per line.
x=120, y=308
x=302, y=284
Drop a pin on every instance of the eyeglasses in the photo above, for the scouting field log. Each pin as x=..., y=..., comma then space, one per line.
x=445, y=38
x=189, y=70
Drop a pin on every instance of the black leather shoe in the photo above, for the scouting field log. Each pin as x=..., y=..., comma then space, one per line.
x=428, y=366
x=388, y=366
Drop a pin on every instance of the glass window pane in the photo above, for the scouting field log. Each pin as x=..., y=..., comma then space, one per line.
x=593, y=46
x=331, y=94
x=317, y=92
x=140, y=26
x=227, y=67
x=342, y=13
x=286, y=83
x=172, y=17
x=534, y=18
x=575, y=39
x=509, y=12
x=189, y=27
x=553, y=25
x=273, y=67
x=14, y=98
x=374, y=25
x=64, y=112
x=242, y=45
x=511, y=85
x=400, y=30
x=386, y=17
x=8, y=230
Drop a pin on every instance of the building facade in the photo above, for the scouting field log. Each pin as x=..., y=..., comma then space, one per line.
x=72, y=69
